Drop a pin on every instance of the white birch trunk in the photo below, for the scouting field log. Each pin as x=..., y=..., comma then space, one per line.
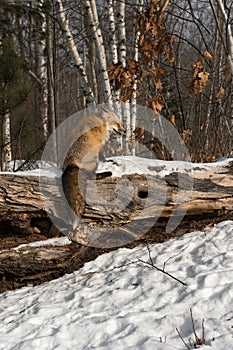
x=7, y=155
x=51, y=84
x=122, y=59
x=43, y=76
x=112, y=31
x=92, y=50
x=87, y=91
x=113, y=44
x=134, y=94
x=122, y=33
x=100, y=49
x=229, y=33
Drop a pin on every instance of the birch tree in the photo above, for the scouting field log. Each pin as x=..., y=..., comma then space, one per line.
x=228, y=44
x=87, y=91
x=122, y=59
x=43, y=74
x=105, y=87
x=6, y=141
x=134, y=94
x=112, y=31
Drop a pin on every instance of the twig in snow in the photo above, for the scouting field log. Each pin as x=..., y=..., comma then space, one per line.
x=151, y=264
x=198, y=341
x=182, y=339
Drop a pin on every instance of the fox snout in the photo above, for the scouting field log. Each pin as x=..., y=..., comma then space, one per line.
x=119, y=129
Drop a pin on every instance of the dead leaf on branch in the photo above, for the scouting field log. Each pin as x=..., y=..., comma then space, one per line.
x=156, y=103
x=157, y=71
x=207, y=55
x=220, y=93
x=147, y=46
x=123, y=77
x=155, y=29
x=115, y=70
x=186, y=134
x=139, y=133
x=159, y=85
x=170, y=56
x=199, y=79
x=126, y=94
x=132, y=64
x=146, y=58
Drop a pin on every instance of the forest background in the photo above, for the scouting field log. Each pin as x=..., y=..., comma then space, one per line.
x=58, y=57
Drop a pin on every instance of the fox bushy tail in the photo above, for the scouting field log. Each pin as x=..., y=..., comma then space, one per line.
x=73, y=181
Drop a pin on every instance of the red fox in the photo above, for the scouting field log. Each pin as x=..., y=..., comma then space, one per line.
x=82, y=158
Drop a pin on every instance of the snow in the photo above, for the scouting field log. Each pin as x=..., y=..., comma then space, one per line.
x=136, y=165
x=131, y=165
x=117, y=302
x=51, y=241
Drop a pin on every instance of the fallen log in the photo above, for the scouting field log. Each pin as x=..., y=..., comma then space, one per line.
x=115, y=201
x=122, y=205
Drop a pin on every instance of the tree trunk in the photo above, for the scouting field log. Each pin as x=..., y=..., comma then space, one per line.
x=105, y=88
x=88, y=93
x=112, y=31
x=122, y=59
x=6, y=152
x=135, y=87
x=113, y=45
x=228, y=32
x=211, y=194
x=43, y=76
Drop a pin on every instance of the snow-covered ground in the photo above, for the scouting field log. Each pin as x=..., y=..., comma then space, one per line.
x=118, y=302
x=132, y=165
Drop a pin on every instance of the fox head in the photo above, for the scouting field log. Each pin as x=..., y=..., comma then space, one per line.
x=112, y=121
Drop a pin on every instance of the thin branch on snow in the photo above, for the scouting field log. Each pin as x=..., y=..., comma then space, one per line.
x=151, y=264
x=182, y=339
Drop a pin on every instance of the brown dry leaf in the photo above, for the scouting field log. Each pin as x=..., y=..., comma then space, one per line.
x=141, y=39
x=203, y=79
x=220, y=94
x=169, y=38
x=159, y=85
x=146, y=46
x=155, y=29
x=146, y=59
x=132, y=64
x=115, y=70
x=159, y=104
x=200, y=79
x=126, y=79
x=229, y=70
x=186, y=135
x=156, y=103
x=209, y=159
x=127, y=94
x=197, y=67
x=148, y=26
x=169, y=55
x=139, y=133
x=145, y=73
x=157, y=71
x=207, y=55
